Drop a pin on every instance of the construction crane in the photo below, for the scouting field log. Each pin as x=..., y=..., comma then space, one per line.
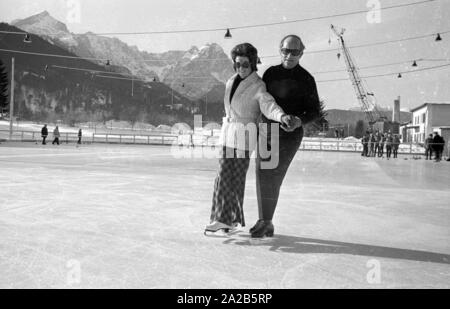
x=368, y=106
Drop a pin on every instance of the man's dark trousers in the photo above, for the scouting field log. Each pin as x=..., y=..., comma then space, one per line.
x=269, y=180
x=428, y=152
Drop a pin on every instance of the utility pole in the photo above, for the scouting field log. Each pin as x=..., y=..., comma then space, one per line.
x=11, y=103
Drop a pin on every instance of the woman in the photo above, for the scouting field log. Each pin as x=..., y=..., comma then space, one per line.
x=245, y=98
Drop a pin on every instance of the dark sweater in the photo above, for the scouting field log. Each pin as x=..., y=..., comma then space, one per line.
x=294, y=91
x=438, y=142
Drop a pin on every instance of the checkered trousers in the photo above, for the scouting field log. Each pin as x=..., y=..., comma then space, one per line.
x=229, y=188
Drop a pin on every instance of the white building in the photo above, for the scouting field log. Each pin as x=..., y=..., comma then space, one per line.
x=428, y=118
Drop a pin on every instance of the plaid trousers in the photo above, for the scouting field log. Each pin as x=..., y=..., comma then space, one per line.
x=229, y=187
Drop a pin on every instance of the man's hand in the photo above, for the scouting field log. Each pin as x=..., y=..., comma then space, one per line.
x=286, y=121
x=291, y=123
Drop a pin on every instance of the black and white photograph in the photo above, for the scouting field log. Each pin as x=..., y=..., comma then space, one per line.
x=224, y=145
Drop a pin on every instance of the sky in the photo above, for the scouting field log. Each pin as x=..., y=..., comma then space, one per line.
x=371, y=26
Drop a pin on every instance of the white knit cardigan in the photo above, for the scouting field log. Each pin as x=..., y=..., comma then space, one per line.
x=243, y=112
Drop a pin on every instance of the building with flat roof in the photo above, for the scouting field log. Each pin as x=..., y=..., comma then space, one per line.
x=428, y=118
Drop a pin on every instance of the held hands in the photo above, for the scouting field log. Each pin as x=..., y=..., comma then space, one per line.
x=289, y=123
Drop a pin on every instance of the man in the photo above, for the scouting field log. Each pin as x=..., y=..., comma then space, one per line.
x=295, y=91
x=370, y=145
x=388, y=143
x=56, y=136
x=395, y=145
x=365, y=143
x=438, y=146
x=429, y=147
x=377, y=143
x=44, y=134
x=80, y=134
x=381, y=145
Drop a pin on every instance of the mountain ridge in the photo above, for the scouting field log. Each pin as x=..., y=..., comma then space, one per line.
x=45, y=91
x=174, y=68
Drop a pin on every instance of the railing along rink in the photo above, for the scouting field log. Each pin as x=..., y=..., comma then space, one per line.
x=109, y=138
x=209, y=138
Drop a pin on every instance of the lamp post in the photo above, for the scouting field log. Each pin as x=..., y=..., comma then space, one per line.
x=11, y=104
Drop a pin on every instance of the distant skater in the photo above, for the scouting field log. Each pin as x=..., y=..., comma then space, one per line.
x=56, y=136
x=80, y=134
x=44, y=134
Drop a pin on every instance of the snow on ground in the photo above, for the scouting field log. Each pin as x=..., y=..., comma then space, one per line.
x=31, y=126
x=116, y=216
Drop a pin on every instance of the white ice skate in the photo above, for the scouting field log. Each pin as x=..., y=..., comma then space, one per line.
x=216, y=228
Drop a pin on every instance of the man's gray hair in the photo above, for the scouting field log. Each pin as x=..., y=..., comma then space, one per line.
x=302, y=46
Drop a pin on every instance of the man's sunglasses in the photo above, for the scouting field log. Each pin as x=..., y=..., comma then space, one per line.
x=245, y=65
x=293, y=52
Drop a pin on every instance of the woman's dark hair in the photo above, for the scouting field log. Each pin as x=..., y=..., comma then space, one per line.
x=245, y=50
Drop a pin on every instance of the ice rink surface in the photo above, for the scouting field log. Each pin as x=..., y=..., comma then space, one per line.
x=117, y=216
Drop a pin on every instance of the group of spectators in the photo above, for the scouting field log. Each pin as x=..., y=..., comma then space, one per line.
x=56, y=135
x=434, y=144
x=375, y=143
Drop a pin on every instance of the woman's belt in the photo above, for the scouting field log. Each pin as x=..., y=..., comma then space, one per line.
x=238, y=120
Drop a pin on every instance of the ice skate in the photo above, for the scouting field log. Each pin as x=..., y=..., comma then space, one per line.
x=217, y=228
x=266, y=229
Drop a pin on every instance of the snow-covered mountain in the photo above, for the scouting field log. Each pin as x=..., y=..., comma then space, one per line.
x=48, y=27
x=192, y=73
x=198, y=71
x=75, y=96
